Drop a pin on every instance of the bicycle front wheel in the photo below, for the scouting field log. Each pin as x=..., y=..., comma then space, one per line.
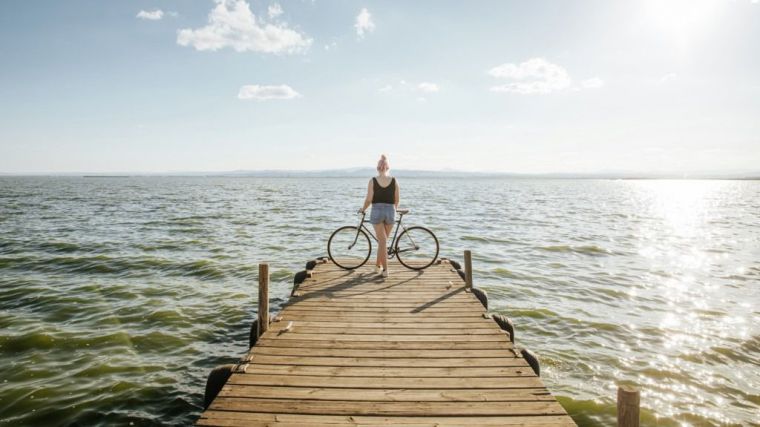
x=417, y=248
x=349, y=247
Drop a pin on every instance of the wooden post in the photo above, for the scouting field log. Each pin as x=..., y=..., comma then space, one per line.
x=628, y=406
x=468, y=269
x=263, y=298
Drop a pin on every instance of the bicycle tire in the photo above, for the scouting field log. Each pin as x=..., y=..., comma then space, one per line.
x=344, y=263
x=418, y=265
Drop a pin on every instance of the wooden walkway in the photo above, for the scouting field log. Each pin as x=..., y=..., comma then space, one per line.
x=415, y=349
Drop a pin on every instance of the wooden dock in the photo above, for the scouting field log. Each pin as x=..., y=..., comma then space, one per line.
x=415, y=349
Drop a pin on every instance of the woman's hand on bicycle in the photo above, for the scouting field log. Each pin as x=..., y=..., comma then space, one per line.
x=361, y=212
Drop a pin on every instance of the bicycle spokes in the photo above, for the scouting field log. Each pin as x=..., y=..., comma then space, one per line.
x=349, y=247
x=417, y=247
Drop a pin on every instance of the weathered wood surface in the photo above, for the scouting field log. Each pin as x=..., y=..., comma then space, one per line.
x=411, y=350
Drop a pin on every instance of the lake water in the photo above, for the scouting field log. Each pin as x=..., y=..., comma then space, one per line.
x=119, y=295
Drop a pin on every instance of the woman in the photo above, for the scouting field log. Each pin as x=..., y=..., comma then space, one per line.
x=382, y=193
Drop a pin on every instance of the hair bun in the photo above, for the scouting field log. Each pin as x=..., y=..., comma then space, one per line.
x=382, y=157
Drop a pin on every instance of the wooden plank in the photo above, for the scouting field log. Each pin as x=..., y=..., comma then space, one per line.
x=420, y=318
x=246, y=418
x=361, y=279
x=344, y=299
x=379, y=283
x=446, y=312
x=386, y=345
x=478, y=324
x=399, y=370
x=234, y=422
x=389, y=382
x=296, y=327
x=400, y=294
x=295, y=335
x=449, y=362
x=400, y=277
x=431, y=285
x=449, y=305
x=390, y=395
x=339, y=407
x=360, y=293
x=384, y=354
x=379, y=317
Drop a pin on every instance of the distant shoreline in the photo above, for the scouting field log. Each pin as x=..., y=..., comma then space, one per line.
x=400, y=174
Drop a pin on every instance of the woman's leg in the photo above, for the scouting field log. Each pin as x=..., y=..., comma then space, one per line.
x=388, y=229
x=382, y=248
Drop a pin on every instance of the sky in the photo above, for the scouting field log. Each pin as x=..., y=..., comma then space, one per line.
x=496, y=86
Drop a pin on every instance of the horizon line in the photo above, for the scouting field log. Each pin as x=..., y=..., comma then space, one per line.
x=362, y=171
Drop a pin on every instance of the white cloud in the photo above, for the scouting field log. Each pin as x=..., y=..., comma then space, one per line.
x=428, y=87
x=668, y=77
x=364, y=23
x=411, y=89
x=274, y=10
x=263, y=93
x=535, y=75
x=538, y=76
x=592, y=83
x=232, y=24
x=153, y=15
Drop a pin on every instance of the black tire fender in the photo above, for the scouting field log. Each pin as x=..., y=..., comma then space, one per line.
x=532, y=360
x=214, y=383
x=481, y=295
x=299, y=277
x=505, y=323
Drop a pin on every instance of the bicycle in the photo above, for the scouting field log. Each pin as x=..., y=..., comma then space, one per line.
x=349, y=247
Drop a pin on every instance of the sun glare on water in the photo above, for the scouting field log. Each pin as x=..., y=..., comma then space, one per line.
x=679, y=239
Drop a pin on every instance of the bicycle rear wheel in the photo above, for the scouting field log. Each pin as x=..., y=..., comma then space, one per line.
x=417, y=248
x=349, y=247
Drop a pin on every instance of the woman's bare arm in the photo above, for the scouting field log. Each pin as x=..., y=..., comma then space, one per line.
x=396, y=196
x=368, y=199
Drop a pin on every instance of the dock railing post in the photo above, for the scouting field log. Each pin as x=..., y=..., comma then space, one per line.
x=263, y=298
x=468, y=269
x=628, y=400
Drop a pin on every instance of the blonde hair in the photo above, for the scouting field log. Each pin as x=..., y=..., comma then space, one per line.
x=382, y=164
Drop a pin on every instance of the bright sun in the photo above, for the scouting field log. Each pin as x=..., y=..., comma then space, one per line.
x=683, y=20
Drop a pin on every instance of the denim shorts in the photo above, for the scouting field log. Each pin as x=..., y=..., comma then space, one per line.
x=382, y=212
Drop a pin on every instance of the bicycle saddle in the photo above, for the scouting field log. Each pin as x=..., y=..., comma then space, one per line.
x=403, y=211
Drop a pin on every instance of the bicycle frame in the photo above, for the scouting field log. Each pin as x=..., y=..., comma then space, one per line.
x=392, y=244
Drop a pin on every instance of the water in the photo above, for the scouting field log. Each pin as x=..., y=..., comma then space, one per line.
x=118, y=295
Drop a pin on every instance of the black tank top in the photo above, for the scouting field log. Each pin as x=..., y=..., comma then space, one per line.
x=384, y=194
